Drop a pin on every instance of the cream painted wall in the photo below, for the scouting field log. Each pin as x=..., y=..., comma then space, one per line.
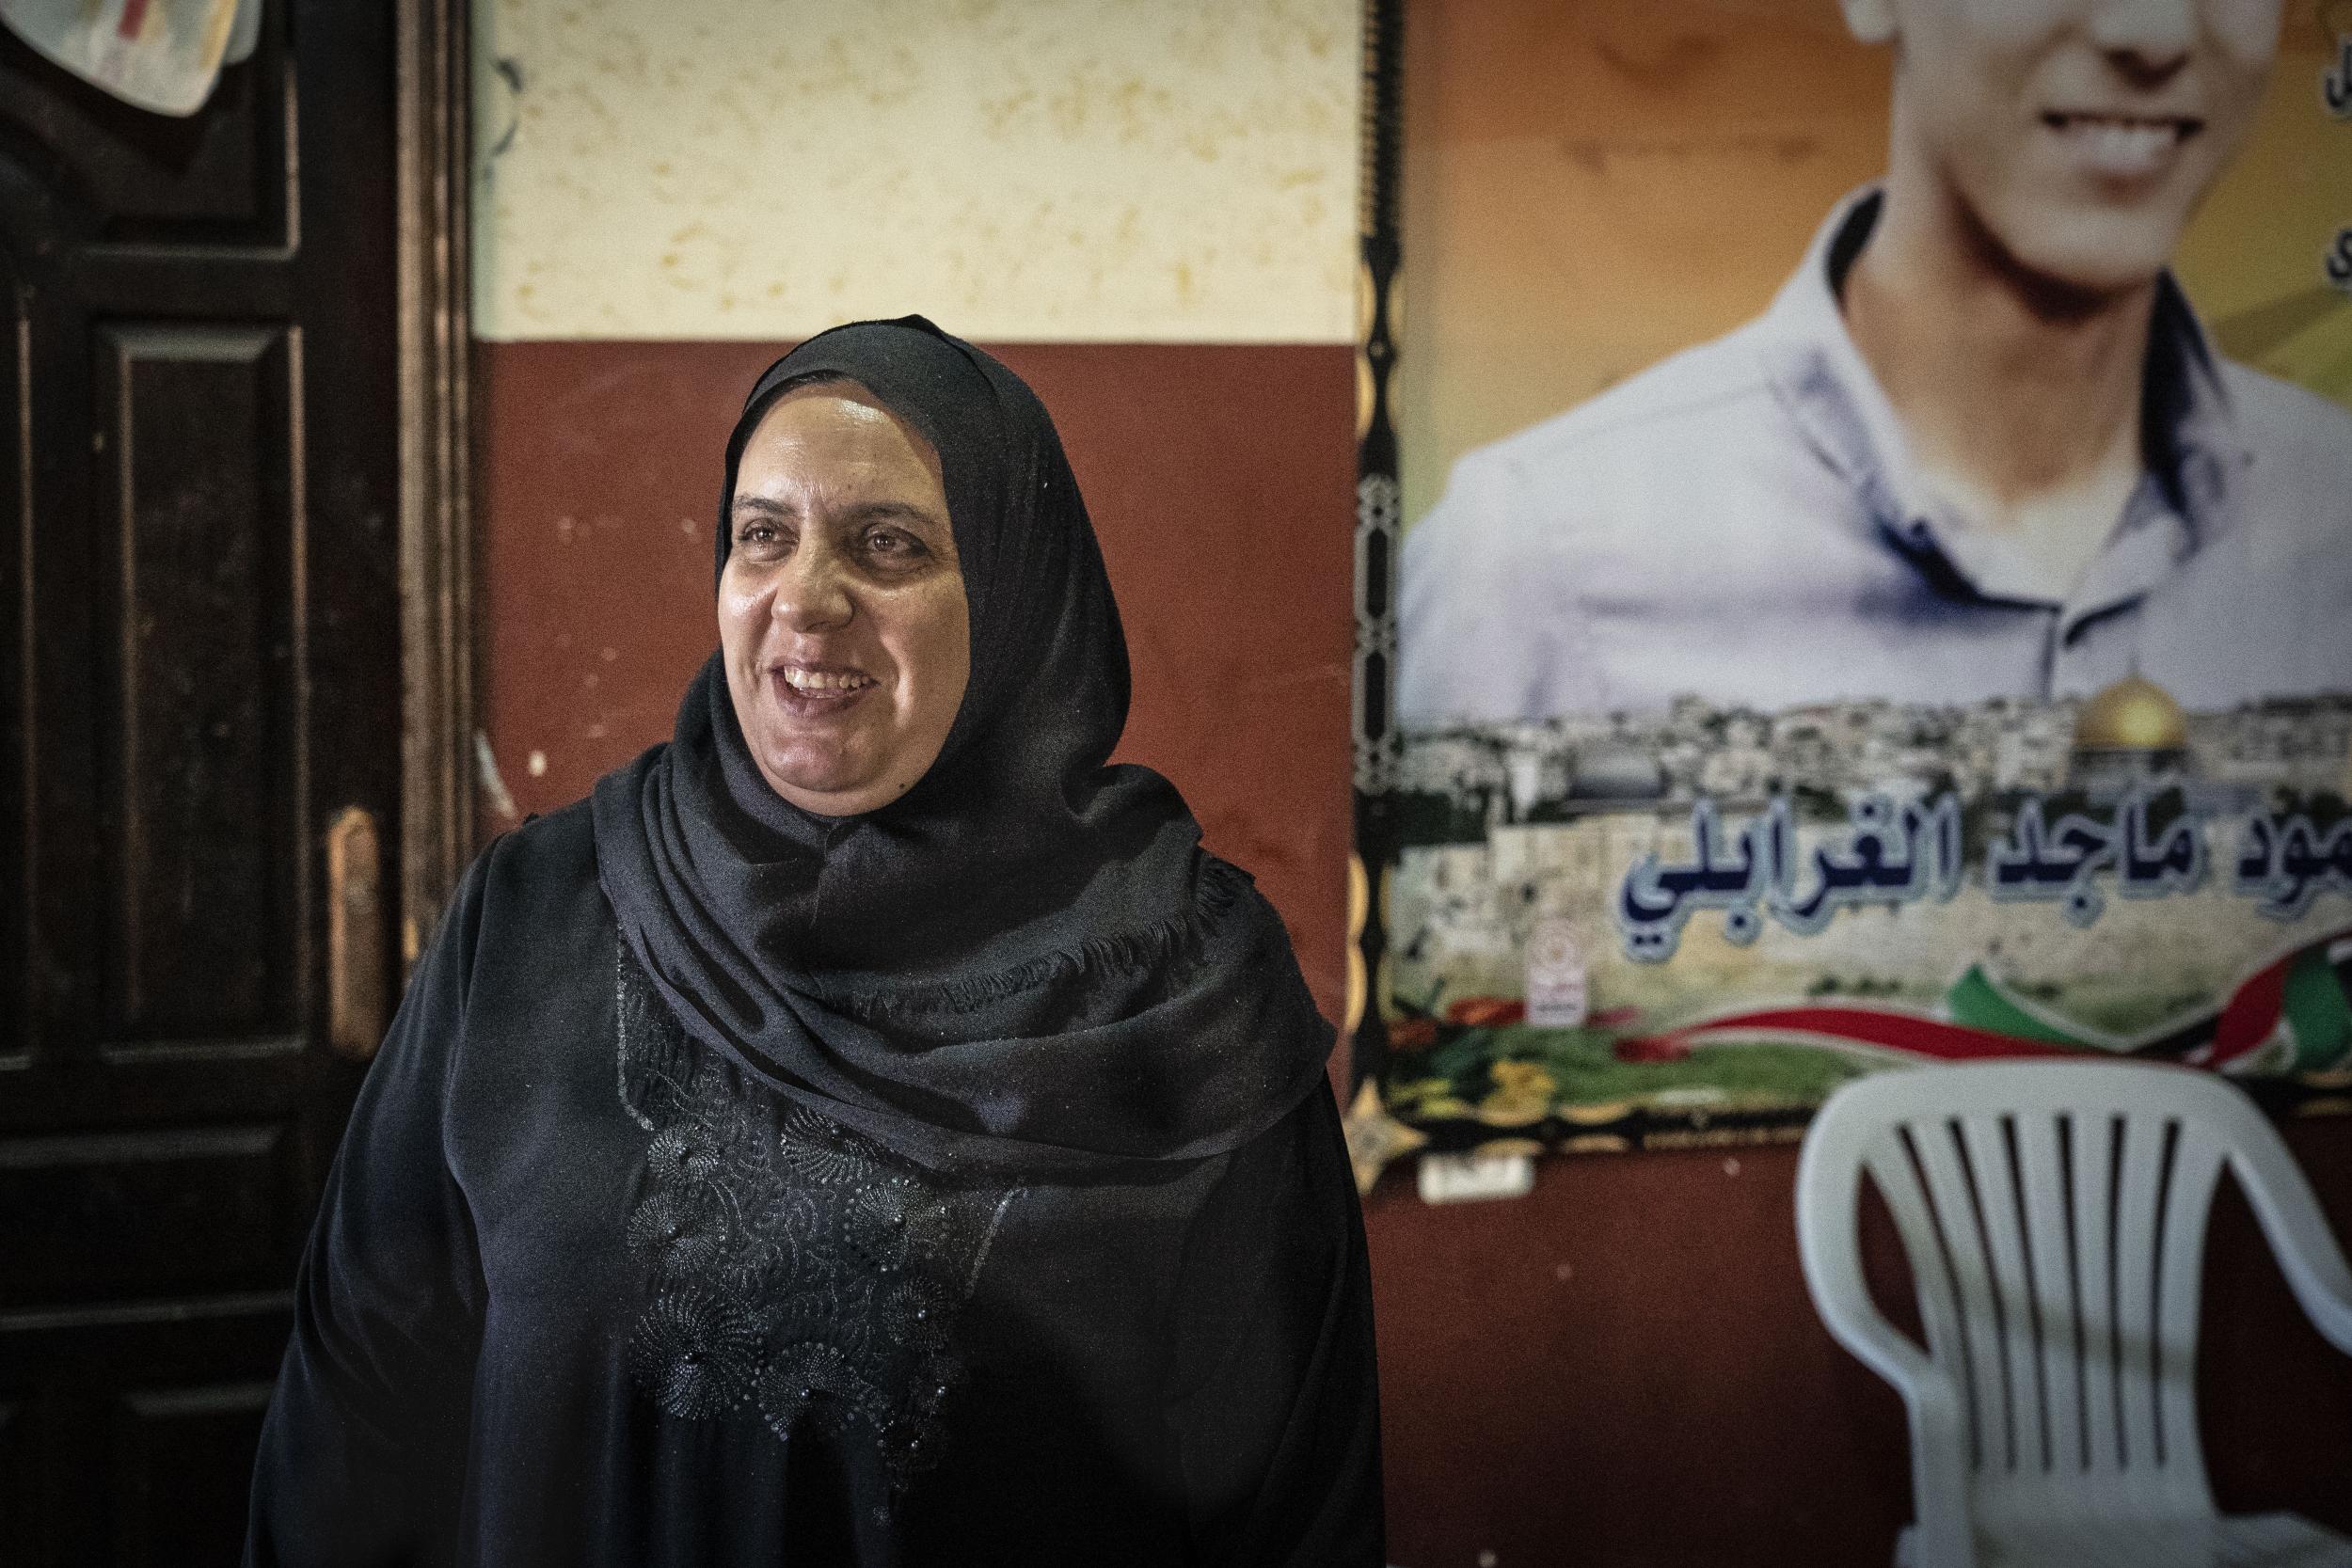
x=1040, y=170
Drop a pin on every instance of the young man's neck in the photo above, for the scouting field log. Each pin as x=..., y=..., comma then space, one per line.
x=2024, y=393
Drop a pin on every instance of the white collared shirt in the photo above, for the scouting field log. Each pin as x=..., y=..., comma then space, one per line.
x=1744, y=523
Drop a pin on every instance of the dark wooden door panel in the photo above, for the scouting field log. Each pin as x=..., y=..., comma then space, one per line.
x=130, y=1429
x=178, y=1463
x=199, y=466
x=201, y=738
x=16, y=1471
x=16, y=472
x=98, y=1216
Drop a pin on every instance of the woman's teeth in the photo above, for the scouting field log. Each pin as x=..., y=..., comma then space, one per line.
x=814, y=683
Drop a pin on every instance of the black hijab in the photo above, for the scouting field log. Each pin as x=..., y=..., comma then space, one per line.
x=1024, y=967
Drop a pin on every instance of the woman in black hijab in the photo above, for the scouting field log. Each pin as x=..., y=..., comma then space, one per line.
x=872, y=1130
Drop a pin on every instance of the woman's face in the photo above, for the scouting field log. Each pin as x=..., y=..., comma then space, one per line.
x=842, y=617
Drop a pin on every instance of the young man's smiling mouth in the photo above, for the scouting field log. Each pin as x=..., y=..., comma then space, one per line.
x=2122, y=143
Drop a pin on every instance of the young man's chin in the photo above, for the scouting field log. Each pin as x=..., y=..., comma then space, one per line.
x=2094, y=254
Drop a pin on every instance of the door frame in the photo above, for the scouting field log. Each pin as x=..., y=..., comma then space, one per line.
x=435, y=523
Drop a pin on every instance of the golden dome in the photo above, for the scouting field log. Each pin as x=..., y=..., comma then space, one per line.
x=2133, y=715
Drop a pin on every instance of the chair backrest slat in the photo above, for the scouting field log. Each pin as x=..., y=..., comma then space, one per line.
x=2045, y=1147
x=2197, y=1161
x=2130, y=1265
x=1989, y=1144
x=1938, y=1144
x=2094, y=1138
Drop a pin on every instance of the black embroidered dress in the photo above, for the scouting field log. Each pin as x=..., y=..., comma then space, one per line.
x=580, y=1295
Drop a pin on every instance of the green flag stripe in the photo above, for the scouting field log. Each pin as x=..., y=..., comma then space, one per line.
x=2315, y=1008
x=1980, y=1002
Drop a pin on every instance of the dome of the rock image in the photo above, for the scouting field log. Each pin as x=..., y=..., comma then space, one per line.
x=2133, y=715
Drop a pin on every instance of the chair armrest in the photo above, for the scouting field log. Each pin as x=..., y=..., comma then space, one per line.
x=1829, y=1178
x=1829, y=1189
x=2296, y=1229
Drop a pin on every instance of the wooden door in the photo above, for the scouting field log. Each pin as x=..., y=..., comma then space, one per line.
x=200, y=467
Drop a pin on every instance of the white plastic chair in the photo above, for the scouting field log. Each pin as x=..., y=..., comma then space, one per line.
x=2054, y=1213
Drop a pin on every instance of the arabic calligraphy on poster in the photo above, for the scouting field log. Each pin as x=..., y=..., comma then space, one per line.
x=1901, y=854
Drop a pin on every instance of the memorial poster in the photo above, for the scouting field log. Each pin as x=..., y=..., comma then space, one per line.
x=1876, y=569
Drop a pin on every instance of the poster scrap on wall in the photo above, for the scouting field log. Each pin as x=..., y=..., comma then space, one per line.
x=163, y=55
x=1876, y=584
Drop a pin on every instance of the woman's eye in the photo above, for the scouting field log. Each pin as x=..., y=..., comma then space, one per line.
x=893, y=545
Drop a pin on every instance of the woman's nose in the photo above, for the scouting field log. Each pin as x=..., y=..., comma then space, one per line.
x=812, y=589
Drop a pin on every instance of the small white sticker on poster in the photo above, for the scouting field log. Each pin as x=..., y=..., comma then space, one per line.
x=1556, y=988
x=1468, y=1178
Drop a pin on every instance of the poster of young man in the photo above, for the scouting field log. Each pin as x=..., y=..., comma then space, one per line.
x=1878, y=585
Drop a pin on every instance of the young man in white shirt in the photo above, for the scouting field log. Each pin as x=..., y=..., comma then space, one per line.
x=1978, y=445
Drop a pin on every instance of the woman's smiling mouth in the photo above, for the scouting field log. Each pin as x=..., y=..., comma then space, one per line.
x=807, y=690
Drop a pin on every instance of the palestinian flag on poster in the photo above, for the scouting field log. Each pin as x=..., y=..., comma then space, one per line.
x=2293, y=1015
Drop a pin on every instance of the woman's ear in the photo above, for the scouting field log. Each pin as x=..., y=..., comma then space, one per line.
x=1869, y=20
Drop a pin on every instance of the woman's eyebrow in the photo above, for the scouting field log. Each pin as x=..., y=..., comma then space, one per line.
x=866, y=512
x=905, y=511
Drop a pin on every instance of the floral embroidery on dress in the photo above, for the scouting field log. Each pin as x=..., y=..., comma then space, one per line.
x=796, y=1273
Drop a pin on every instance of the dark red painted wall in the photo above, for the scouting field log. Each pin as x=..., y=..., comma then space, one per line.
x=1621, y=1369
